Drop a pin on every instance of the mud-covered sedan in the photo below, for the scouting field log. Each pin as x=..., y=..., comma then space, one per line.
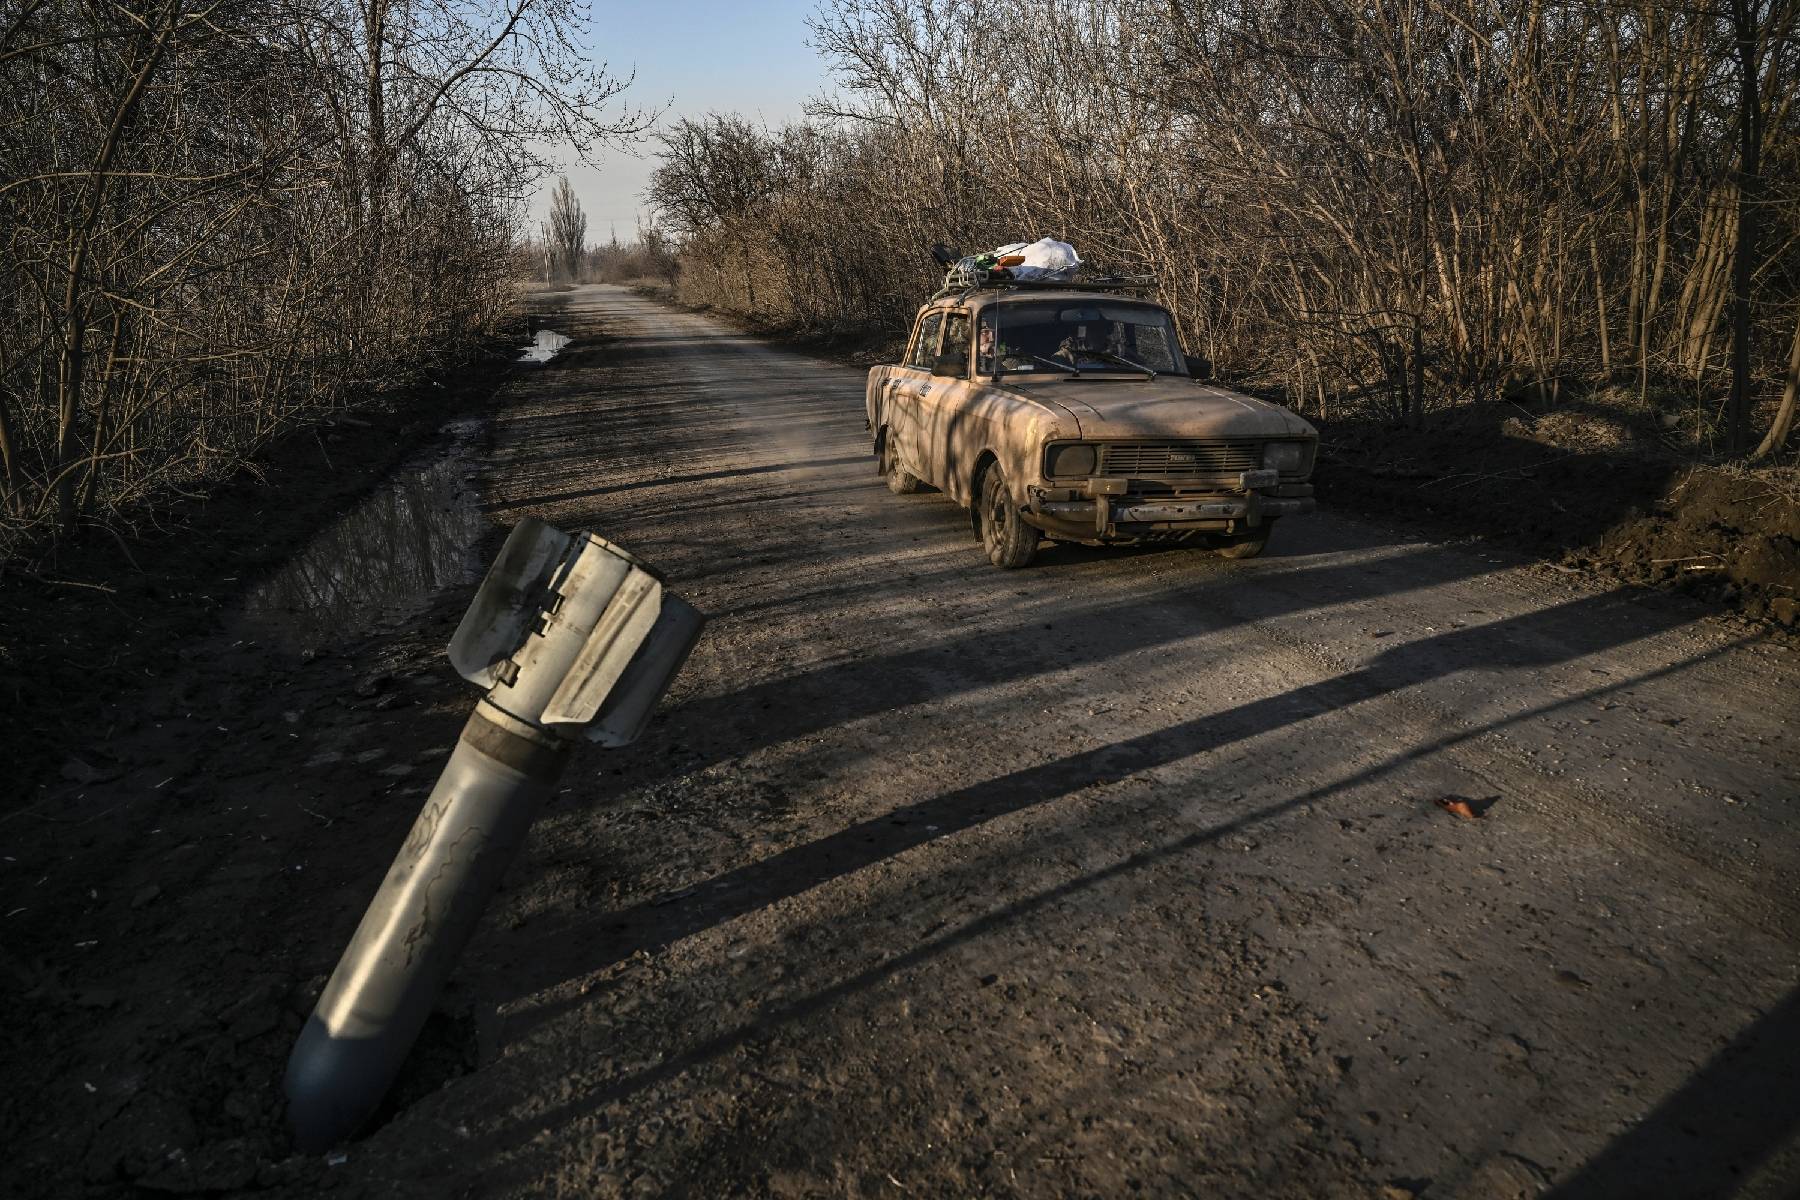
x=1072, y=414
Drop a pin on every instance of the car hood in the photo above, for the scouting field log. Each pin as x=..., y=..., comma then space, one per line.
x=1163, y=408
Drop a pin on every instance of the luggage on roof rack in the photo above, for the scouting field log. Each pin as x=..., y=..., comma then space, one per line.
x=1045, y=264
x=1104, y=283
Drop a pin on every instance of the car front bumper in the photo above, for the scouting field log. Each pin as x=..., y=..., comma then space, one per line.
x=1128, y=517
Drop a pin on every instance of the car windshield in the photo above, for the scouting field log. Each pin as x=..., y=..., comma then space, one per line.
x=1092, y=337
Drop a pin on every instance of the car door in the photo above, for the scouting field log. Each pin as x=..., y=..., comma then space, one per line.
x=944, y=408
x=906, y=387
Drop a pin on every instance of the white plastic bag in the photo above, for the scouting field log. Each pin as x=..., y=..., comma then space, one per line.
x=1046, y=259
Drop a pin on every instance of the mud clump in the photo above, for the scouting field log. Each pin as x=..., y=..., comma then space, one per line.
x=1727, y=536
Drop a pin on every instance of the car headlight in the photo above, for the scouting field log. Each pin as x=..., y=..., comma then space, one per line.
x=1071, y=460
x=1290, y=458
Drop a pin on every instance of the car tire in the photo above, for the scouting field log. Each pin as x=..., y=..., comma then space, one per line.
x=1008, y=540
x=900, y=481
x=1247, y=545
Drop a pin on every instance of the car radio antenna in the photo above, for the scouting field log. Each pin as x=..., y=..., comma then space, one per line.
x=999, y=362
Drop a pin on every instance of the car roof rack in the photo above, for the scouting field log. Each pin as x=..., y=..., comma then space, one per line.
x=964, y=278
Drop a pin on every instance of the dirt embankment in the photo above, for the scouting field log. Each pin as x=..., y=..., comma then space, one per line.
x=175, y=827
x=1730, y=536
x=1575, y=489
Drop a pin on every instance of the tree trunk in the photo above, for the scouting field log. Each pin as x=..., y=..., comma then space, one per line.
x=1744, y=17
x=7, y=453
x=71, y=358
x=1600, y=306
x=107, y=384
x=1776, y=438
x=1417, y=416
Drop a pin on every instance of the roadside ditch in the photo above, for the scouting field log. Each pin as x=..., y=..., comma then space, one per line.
x=80, y=635
x=271, y=673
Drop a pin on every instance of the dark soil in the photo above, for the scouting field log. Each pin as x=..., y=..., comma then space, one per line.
x=1568, y=488
x=179, y=878
x=84, y=628
x=170, y=913
x=1730, y=537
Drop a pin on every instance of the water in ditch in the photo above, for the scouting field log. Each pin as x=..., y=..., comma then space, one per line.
x=545, y=346
x=385, y=560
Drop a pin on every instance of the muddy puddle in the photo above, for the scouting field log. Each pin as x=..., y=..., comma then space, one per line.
x=385, y=560
x=545, y=346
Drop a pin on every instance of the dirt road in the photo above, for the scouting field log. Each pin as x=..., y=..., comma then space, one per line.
x=1123, y=874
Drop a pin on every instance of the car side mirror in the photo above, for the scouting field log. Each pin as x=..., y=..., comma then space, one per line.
x=954, y=365
x=1199, y=368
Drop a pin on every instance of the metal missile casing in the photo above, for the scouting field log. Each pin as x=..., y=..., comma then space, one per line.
x=572, y=637
x=395, y=967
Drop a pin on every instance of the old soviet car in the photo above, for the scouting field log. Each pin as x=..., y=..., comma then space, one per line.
x=1070, y=412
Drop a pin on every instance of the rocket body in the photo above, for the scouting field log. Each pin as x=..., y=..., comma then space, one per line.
x=573, y=637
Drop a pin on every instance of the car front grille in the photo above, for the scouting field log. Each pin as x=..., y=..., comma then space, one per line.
x=1179, y=460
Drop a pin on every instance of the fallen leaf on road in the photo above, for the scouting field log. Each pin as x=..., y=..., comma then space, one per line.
x=1456, y=806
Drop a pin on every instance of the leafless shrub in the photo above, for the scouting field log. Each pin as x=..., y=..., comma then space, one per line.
x=225, y=217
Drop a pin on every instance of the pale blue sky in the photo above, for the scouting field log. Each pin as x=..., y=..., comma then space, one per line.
x=695, y=56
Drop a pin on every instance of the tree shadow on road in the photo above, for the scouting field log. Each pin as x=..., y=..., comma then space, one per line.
x=1586, y=625
x=1729, y=1131
x=1718, y=1135
x=724, y=477
x=788, y=706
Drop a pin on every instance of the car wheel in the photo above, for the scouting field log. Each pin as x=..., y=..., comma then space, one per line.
x=1009, y=541
x=1247, y=545
x=900, y=481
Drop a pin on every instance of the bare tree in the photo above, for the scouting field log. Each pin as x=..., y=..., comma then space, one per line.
x=1747, y=43
x=222, y=218
x=566, y=230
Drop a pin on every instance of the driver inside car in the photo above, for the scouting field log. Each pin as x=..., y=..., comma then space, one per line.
x=1075, y=345
x=984, y=350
